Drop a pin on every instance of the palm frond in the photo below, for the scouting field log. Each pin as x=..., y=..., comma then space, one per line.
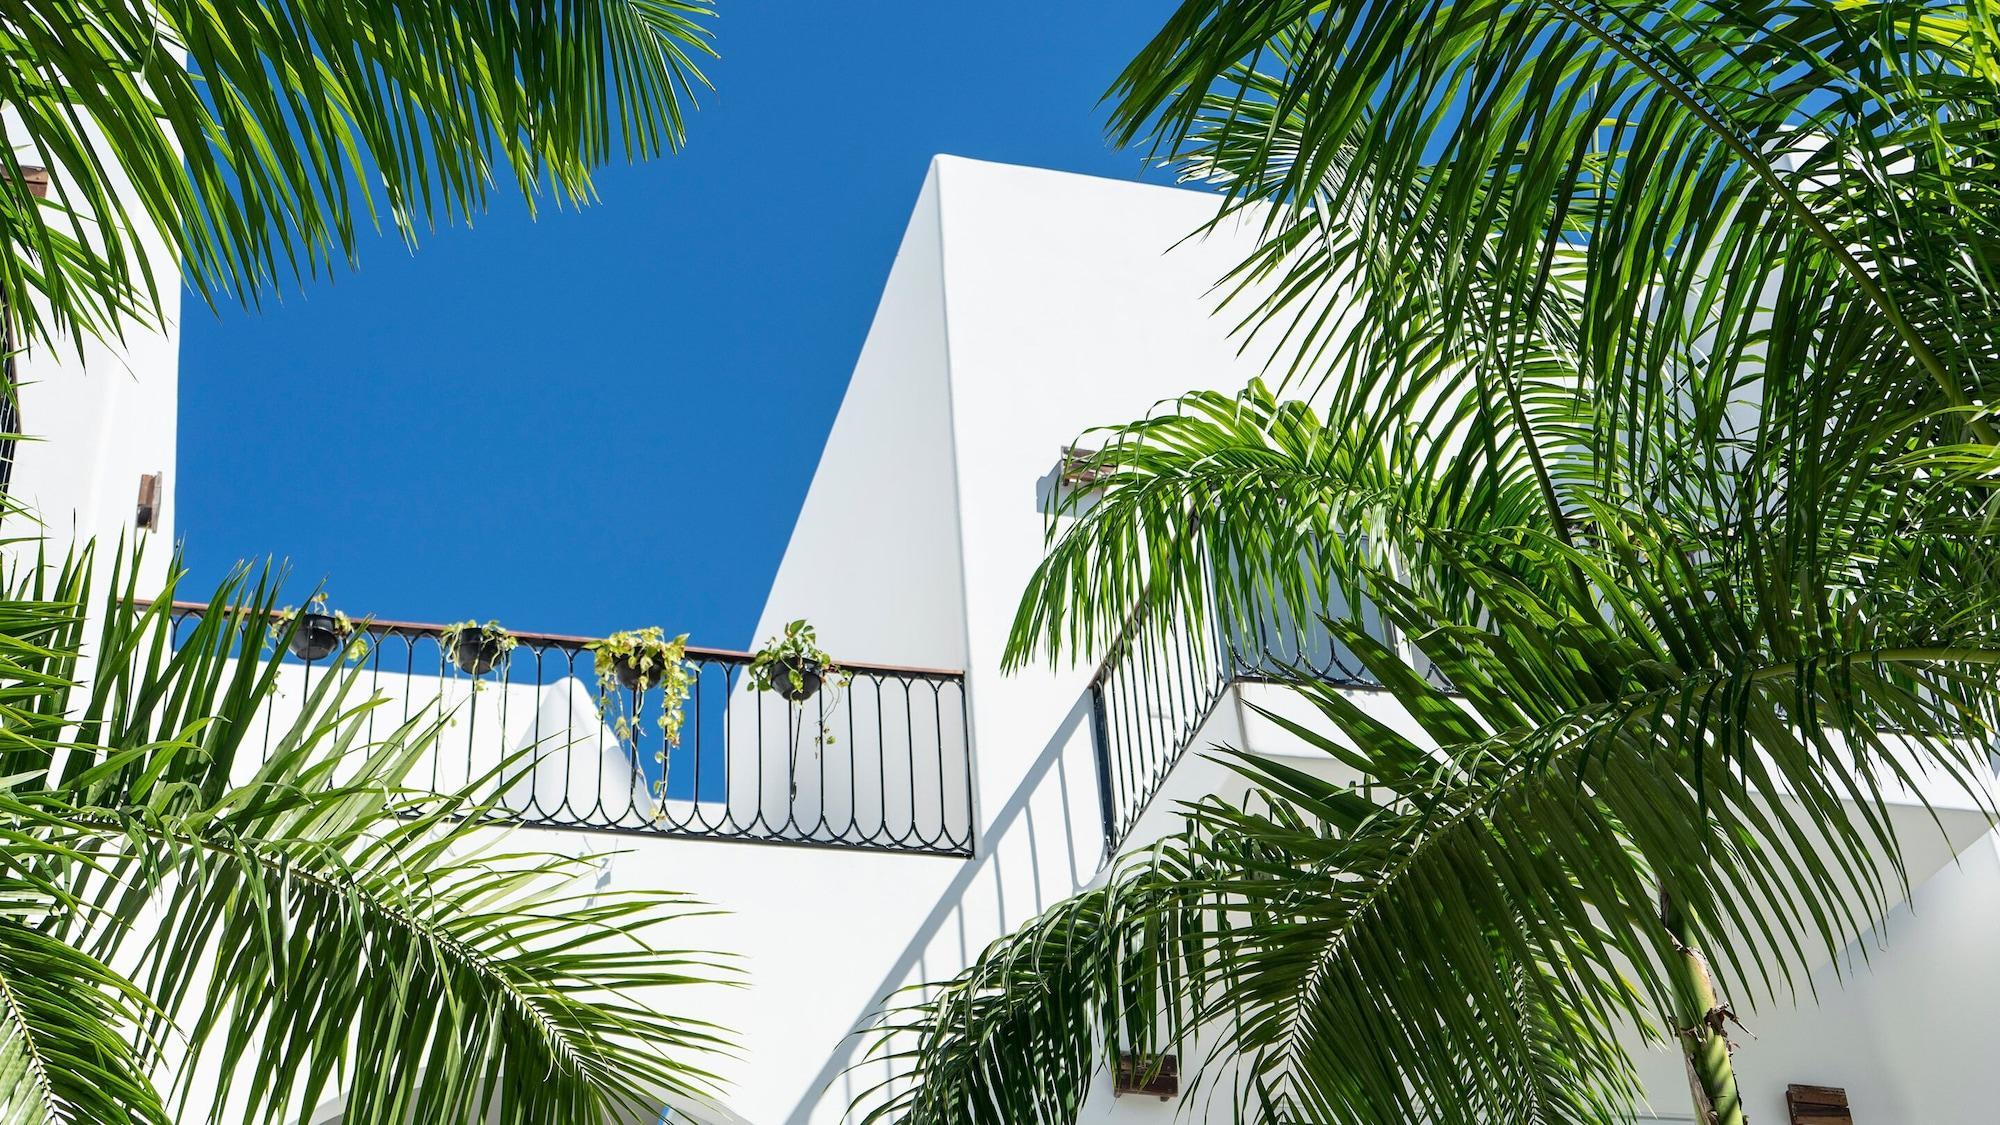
x=1412, y=960
x=69, y=1044
x=1689, y=152
x=317, y=925
x=1282, y=946
x=257, y=139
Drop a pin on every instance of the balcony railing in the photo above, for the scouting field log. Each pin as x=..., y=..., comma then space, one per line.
x=1160, y=684
x=879, y=764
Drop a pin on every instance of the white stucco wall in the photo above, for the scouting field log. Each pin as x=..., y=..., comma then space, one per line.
x=99, y=416
x=1910, y=1033
x=1057, y=306
x=97, y=423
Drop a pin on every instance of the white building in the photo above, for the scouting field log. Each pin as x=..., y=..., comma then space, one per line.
x=956, y=801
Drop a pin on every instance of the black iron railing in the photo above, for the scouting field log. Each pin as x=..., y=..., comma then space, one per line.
x=1160, y=684
x=879, y=763
x=10, y=410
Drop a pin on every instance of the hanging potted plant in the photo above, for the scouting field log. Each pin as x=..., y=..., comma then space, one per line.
x=795, y=668
x=793, y=664
x=476, y=649
x=638, y=660
x=319, y=632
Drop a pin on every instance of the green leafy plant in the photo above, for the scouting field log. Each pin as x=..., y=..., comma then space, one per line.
x=785, y=661
x=629, y=664
x=794, y=666
x=483, y=647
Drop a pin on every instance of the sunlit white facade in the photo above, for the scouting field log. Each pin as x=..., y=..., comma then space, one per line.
x=1023, y=307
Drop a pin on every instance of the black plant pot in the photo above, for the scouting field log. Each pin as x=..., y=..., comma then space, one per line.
x=628, y=671
x=478, y=653
x=318, y=635
x=796, y=680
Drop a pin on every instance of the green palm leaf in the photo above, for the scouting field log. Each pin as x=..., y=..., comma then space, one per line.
x=312, y=924
x=257, y=140
x=67, y=1051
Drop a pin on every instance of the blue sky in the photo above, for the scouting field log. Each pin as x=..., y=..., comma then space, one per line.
x=607, y=419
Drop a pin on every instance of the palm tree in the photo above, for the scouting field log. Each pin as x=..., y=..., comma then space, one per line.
x=194, y=930
x=254, y=138
x=1637, y=362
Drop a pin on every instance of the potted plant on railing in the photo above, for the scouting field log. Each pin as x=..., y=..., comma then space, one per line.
x=794, y=667
x=793, y=664
x=476, y=649
x=638, y=660
x=320, y=631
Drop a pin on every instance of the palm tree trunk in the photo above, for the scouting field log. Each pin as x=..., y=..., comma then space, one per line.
x=1698, y=1023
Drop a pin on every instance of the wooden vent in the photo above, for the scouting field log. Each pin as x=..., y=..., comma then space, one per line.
x=1818, y=1105
x=37, y=180
x=1138, y=1074
x=148, y=516
x=1077, y=471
